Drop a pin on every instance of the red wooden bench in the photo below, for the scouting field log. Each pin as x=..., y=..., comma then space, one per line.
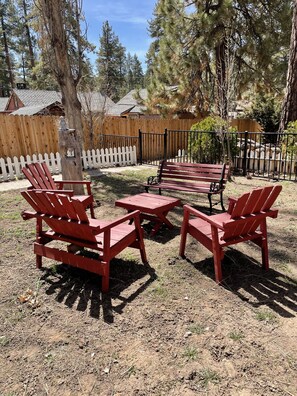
x=207, y=179
x=245, y=220
x=68, y=222
x=40, y=178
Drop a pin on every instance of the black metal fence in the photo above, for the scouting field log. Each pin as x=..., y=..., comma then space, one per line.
x=270, y=155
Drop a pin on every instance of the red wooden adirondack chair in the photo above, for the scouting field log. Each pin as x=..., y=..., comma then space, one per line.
x=68, y=222
x=245, y=220
x=40, y=178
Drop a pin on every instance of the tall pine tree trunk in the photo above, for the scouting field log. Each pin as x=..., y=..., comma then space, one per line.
x=6, y=51
x=29, y=39
x=222, y=97
x=289, y=110
x=53, y=11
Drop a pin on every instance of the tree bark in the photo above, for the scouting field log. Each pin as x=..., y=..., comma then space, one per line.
x=222, y=97
x=29, y=39
x=53, y=13
x=6, y=50
x=289, y=109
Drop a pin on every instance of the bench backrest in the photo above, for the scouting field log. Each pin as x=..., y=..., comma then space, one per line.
x=250, y=210
x=39, y=176
x=63, y=214
x=193, y=172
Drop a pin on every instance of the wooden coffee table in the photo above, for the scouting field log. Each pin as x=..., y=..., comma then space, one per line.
x=151, y=206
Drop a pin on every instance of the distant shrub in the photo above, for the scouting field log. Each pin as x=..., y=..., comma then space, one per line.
x=289, y=139
x=209, y=141
x=266, y=111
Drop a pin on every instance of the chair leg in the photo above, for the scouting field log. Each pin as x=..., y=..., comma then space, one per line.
x=217, y=257
x=92, y=211
x=142, y=252
x=218, y=254
x=38, y=261
x=183, y=235
x=265, y=258
x=264, y=245
x=105, y=278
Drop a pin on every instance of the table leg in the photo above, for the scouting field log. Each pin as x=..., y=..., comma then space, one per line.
x=160, y=220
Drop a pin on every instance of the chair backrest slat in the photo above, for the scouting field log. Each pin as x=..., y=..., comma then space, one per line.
x=63, y=214
x=239, y=206
x=247, y=213
x=39, y=176
x=272, y=197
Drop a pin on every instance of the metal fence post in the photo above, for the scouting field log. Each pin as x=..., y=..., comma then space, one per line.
x=165, y=144
x=244, y=162
x=140, y=146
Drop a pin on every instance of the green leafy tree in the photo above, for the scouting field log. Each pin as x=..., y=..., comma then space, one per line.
x=211, y=140
x=266, y=111
x=111, y=64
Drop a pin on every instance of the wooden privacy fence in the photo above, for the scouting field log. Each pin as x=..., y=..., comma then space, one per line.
x=11, y=168
x=28, y=135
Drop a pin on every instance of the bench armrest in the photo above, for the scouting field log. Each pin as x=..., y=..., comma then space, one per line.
x=215, y=186
x=153, y=180
x=188, y=209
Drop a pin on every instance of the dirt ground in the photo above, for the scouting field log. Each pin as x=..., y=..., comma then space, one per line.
x=170, y=332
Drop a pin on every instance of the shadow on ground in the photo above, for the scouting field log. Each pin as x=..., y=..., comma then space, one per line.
x=81, y=290
x=245, y=277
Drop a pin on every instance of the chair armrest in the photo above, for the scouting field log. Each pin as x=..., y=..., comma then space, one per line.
x=203, y=216
x=66, y=192
x=123, y=219
x=26, y=215
x=60, y=184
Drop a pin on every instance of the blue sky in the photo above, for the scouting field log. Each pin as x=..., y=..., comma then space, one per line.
x=128, y=20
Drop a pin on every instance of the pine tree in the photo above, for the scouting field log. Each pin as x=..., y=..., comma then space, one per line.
x=289, y=109
x=111, y=64
x=137, y=72
x=214, y=49
x=25, y=39
x=7, y=11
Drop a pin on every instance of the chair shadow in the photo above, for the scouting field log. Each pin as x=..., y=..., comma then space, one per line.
x=245, y=277
x=163, y=235
x=81, y=289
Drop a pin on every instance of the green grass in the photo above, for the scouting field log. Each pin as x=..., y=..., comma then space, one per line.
x=207, y=376
x=236, y=335
x=190, y=353
x=266, y=316
x=4, y=341
x=197, y=329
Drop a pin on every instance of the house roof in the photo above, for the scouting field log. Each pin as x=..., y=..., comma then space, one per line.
x=95, y=101
x=30, y=97
x=128, y=104
x=3, y=103
x=35, y=101
x=32, y=110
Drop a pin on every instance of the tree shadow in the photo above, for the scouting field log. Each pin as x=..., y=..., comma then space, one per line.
x=81, y=289
x=244, y=276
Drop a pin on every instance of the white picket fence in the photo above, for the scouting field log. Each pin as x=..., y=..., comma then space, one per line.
x=11, y=168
